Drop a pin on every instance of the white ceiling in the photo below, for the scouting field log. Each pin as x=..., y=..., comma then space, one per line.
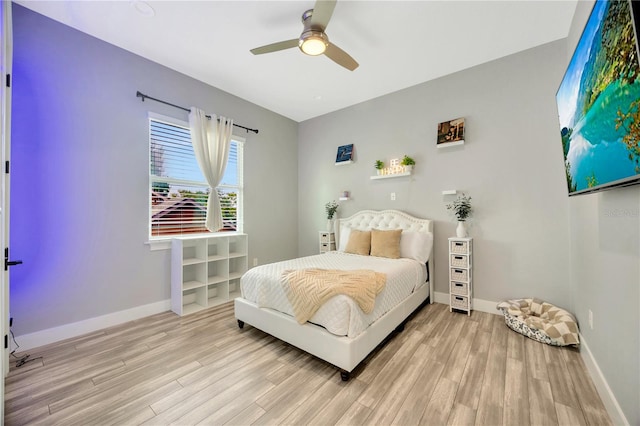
x=397, y=43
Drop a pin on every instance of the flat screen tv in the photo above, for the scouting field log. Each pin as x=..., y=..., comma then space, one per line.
x=599, y=102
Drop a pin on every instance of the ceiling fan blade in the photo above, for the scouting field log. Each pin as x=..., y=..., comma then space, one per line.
x=322, y=12
x=274, y=47
x=340, y=57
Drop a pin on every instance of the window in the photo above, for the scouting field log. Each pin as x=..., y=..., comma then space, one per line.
x=178, y=192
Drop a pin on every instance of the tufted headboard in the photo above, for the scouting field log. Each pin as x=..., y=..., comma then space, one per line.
x=391, y=219
x=386, y=219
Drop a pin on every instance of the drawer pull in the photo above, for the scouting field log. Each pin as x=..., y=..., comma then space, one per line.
x=458, y=271
x=458, y=285
x=458, y=257
x=458, y=244
x=459, y=298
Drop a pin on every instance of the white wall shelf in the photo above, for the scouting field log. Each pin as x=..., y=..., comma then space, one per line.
x=394, y=175
x=206, y=271
x=450, y=144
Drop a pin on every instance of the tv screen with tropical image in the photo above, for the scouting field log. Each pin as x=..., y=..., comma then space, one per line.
x=599, y=102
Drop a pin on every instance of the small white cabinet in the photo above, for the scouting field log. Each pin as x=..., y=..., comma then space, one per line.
x=460, y=274
x=206, y=271
x=327, y=241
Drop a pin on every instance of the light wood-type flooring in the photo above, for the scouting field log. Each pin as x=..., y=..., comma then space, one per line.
x=444, y=368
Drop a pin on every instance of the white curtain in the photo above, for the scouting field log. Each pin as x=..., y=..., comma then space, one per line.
x=211, y=139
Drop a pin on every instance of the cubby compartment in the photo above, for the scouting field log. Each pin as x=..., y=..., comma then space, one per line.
x=217, y=271
x=193, y=252
x=194, y=300
x=193, y=275
x=217, y=248
x=217, y=293
x=234, y=288
x=237, y=246
x=237, y=267
x=206, y=270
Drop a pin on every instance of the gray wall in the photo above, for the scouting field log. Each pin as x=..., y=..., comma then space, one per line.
x=80, y=175
x=605, y=272
x=511, y=165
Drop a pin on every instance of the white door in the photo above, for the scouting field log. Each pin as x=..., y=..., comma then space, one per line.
x=5, y=123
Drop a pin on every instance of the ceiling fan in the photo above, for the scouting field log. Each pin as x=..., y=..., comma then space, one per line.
x=314, y=41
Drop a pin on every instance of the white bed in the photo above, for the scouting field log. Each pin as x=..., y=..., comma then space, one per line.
x=339, y=332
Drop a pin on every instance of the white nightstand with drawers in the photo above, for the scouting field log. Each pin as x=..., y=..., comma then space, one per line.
x=327, y=241
x=460, y=274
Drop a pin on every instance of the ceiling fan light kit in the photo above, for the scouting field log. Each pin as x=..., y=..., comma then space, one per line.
x=314, y=41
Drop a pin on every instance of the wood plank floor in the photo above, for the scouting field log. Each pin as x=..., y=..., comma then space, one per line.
x=444, y=368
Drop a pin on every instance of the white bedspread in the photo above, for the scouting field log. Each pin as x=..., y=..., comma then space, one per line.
x=340, y=315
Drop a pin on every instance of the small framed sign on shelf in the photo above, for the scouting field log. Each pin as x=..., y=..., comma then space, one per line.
x=344, y=155
x=451, y=133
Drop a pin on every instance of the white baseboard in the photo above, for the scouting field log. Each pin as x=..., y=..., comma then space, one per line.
x=476, y=304
x=608, y=398
x=67, y=331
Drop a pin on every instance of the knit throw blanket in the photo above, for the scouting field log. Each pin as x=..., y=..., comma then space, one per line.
x=308, y=289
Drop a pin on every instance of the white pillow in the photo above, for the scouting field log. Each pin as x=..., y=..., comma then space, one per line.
x=415, y=245
x=344, y=238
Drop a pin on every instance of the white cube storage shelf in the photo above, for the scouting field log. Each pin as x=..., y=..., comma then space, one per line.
x=206, y=271
x=460, y=274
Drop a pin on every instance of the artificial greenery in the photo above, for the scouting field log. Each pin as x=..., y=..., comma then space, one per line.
x=379, y=165
x=408, y=161
x=331, y=208
x=461, y=207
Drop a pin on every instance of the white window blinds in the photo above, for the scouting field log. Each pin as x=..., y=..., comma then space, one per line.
x=179, y=192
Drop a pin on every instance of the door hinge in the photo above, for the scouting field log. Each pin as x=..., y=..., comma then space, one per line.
x=6, y=166
x=8, y=262
x=6, y=341
x=8, y=80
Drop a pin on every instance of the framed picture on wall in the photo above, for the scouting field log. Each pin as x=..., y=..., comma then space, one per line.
x=345, y=154
x=451, y=133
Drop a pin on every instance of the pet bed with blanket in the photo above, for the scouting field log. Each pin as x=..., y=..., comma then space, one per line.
x=540, y=321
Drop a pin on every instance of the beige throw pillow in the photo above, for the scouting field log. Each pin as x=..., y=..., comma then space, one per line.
x=359, y=242
x=386, y=243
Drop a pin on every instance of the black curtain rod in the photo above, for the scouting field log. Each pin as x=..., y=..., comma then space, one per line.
x=143, y=96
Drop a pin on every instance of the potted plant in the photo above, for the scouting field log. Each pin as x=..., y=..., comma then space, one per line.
x=379, y=165
x=331, y=208
x=461, y=208
x=408, y=163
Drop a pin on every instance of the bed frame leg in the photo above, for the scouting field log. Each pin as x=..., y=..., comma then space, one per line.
x=240, y=324
x=345, y=375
